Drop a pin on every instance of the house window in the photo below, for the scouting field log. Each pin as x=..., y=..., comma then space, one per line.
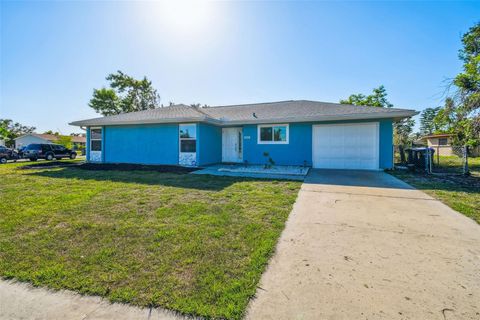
x=188, y=138
x=273, y=134
x=96, y=139
x=442, y=141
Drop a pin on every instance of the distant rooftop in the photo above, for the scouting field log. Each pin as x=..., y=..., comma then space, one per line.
x=53, y=137
x=270, y=112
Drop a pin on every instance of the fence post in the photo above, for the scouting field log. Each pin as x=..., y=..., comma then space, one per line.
x=466, y=171
x=428, y=162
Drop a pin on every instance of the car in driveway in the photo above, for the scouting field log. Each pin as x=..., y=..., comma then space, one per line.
x=7, y=154
x=46, y=151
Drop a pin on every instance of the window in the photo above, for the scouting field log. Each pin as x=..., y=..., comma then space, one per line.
x=46, y=147
x=442, y=141
x=57, y=147
x=273, y=134
x=188, y=138
x=96, y=139
x=240, y=142
x=33, y=147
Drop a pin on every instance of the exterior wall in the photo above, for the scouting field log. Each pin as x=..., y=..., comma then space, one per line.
x=142, y=144
x=159, y=144
x=297, y=152
x=386, y=144
x=25, y=141
x=443, y=150
x=209, y=144
x=87, y=147
x=299, y=149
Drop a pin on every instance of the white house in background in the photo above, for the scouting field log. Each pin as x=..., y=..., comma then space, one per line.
x=2, y=142
x=27, y=139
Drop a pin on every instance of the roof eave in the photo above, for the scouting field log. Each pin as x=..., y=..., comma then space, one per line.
x=390, y=115
x=394, y=115
x=89, y=123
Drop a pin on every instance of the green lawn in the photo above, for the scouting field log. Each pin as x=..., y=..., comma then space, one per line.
x=191, y=243
x=455, y=164
x=458, y=192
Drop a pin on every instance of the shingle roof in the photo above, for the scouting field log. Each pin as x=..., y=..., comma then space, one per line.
x=52, y=137
x=283, y=111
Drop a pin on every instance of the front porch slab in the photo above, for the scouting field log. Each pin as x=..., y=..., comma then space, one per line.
x=256, y=171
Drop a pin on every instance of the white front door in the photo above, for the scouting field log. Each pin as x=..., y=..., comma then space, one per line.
x=232, y=145
x=346, y=146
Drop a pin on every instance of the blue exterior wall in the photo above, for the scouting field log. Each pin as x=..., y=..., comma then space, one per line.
x=296, y=152
x=87, y=144
x=159, y=144
x=299, y=149
x=209, y=144
x=386, y=144
x=143, y=144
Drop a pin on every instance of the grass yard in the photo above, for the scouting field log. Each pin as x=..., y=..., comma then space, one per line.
x=191, y=243
x=455, y=164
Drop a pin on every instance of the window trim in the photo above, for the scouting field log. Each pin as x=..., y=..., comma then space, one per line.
x=180, y=137
x=273, y=125
x=101, y=139
x=444, y=139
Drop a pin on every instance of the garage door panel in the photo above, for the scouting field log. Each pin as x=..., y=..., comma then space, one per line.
x=346, y=146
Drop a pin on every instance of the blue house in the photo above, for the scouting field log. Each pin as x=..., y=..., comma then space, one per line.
x=317, y=134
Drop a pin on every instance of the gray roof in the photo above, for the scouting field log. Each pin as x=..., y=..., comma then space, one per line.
x=271, y=112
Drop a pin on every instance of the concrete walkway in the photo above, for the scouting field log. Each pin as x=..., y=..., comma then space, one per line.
x=218, y=170
x=21, y=301
x=364, y=245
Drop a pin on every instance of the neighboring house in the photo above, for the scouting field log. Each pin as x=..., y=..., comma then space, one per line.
x=77, y=141
x=318, y=134
x=2, y=143
x=442, y=144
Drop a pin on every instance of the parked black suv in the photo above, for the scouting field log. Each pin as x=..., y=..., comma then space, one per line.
x=37, y=151
x=7, y=154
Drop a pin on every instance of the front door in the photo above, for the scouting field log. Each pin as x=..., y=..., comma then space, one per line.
x=232, y=145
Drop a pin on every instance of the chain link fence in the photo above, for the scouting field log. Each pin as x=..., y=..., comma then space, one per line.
x=435, y=159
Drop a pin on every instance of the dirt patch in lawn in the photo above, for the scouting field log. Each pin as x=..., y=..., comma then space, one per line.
x=471, y=181
x=49, y=164
x=137, y=167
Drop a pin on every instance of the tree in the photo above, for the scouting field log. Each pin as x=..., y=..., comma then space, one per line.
x=125, y=94
x=401, y=129
x=10, y=130
x=427, y=121
x=453, y=119
x=468, y=81
x=447, y=116
x=377, y=99
x=51, y=132
x=402, y=132
x=106, y=102
x=65, y=141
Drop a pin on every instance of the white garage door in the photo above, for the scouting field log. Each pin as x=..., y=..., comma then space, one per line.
x=346, y=146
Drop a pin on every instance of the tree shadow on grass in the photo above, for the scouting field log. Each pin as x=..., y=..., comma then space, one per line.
x=177, y=180
x=458, y=183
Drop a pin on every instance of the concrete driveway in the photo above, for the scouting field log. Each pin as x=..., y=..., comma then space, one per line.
x=365, y=245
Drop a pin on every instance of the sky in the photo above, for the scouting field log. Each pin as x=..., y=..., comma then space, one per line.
x=53, y=54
